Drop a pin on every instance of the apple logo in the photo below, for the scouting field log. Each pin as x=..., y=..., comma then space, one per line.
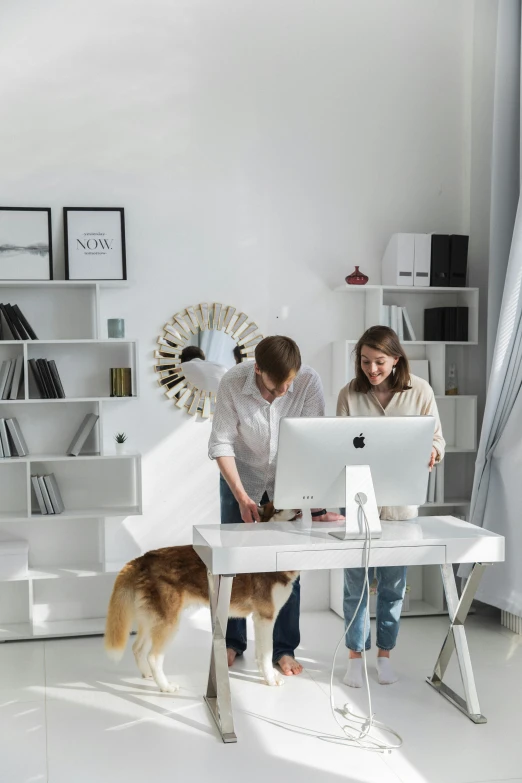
x=359, y=442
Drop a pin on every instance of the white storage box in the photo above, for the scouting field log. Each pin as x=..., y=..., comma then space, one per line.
x=399, y=260
x=14, y=557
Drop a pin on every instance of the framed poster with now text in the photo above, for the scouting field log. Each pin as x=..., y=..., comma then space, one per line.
x=94, y=243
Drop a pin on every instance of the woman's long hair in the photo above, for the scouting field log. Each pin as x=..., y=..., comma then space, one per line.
x=384, y=339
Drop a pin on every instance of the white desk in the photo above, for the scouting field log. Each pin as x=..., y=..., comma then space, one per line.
x=227, y=550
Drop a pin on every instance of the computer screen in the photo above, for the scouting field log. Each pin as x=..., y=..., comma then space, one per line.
x=313, y=454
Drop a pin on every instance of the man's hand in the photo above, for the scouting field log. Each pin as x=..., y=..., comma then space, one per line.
x=249, y=511
x=433, y=458
x=328, y=517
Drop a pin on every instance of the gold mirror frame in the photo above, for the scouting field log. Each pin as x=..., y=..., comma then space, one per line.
x=176, y=336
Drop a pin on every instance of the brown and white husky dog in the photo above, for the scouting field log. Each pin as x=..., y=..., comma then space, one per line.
x=154, y=589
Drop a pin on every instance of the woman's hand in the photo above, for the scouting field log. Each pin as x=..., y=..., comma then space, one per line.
x=433, y=458
x=328, y=517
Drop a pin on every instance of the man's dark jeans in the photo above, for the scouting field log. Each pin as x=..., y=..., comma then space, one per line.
x=286, y=629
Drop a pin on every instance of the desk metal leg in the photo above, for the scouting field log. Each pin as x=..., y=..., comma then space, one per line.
x=218, y=696
x=456, y=642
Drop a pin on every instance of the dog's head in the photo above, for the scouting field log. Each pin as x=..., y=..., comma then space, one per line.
x=268, y=513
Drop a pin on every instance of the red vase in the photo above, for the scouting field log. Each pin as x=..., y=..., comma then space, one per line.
x=357, y=278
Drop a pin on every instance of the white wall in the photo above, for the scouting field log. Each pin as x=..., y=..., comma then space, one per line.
x=260, y=150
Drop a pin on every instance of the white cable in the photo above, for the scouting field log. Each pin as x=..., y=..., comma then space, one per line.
x=353, y=736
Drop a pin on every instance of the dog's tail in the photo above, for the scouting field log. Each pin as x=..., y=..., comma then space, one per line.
x=120, y=613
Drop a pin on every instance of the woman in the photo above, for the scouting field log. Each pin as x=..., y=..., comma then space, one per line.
x=383, y=386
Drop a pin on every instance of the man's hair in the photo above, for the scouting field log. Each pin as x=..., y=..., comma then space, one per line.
x=191, y=352
x=279, y=357
x=384, y=339
x=238, y=356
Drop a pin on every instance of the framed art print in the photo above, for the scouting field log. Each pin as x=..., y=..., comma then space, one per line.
x=25, y=243
x=94, y=243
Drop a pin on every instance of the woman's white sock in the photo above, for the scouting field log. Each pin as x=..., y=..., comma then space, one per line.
x=354, y=673
x=385, y=672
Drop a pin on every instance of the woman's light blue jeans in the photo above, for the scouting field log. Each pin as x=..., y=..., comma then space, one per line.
x=391, y=587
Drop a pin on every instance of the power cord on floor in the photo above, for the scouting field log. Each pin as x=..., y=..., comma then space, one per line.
x=358, y=733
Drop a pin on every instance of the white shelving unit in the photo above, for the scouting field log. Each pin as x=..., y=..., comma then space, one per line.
x=458, y=413
x=68, y=583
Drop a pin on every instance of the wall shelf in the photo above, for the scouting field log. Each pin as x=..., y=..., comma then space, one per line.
x=404, y=289
x=115, y=340
x=64, y=458
x=49, y=630
x=39, y=400
x=458, y=413
x=88, y=513
x=67, y=284
x=68, y=581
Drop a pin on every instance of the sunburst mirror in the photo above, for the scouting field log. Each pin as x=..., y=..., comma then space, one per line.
x=214, y=328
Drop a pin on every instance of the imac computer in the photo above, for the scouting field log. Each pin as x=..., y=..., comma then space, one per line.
x=353, y=462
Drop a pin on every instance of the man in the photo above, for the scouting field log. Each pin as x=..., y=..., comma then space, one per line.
x=252, y=399
x=198, y=371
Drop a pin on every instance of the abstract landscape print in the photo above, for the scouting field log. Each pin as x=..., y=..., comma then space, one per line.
x=25, y=243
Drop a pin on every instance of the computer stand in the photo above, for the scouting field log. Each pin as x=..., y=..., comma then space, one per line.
x=359, y=489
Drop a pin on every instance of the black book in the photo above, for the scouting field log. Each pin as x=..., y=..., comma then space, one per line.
x=10, y=325
x=27, y=326
x=18, y=326
x=52, y=393
x=450, y=324
x=38, y=378
x=56, y=378
x=458, y=260
x=461, y=324
x=434, y=324
x=440, y=260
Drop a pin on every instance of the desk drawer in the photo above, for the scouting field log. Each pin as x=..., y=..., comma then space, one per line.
x=313, y=559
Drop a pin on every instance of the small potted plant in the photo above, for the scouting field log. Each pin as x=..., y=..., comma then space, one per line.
x=120, y=439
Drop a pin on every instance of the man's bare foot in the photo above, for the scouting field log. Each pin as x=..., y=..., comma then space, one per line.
x=231, y=656
x=289, y=665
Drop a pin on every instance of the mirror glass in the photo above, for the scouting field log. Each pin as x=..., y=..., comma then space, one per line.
x=219, y=331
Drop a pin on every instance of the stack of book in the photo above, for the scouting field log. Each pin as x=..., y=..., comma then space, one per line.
x=47, y=379
x=47, y=494
x=446, y=324
x=14, y=325
x=397, y=318
x=11, y=378
x=12, y=442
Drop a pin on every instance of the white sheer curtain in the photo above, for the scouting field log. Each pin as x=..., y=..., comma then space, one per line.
x=496, y=502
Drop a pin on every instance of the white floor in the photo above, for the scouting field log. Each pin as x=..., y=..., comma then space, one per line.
x=68, y=715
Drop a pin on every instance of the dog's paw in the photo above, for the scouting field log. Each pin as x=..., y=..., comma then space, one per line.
x=273, y=677
x=146, y=676
x=170, y=687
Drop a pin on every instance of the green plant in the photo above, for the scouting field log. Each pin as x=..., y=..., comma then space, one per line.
x=120, y=437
